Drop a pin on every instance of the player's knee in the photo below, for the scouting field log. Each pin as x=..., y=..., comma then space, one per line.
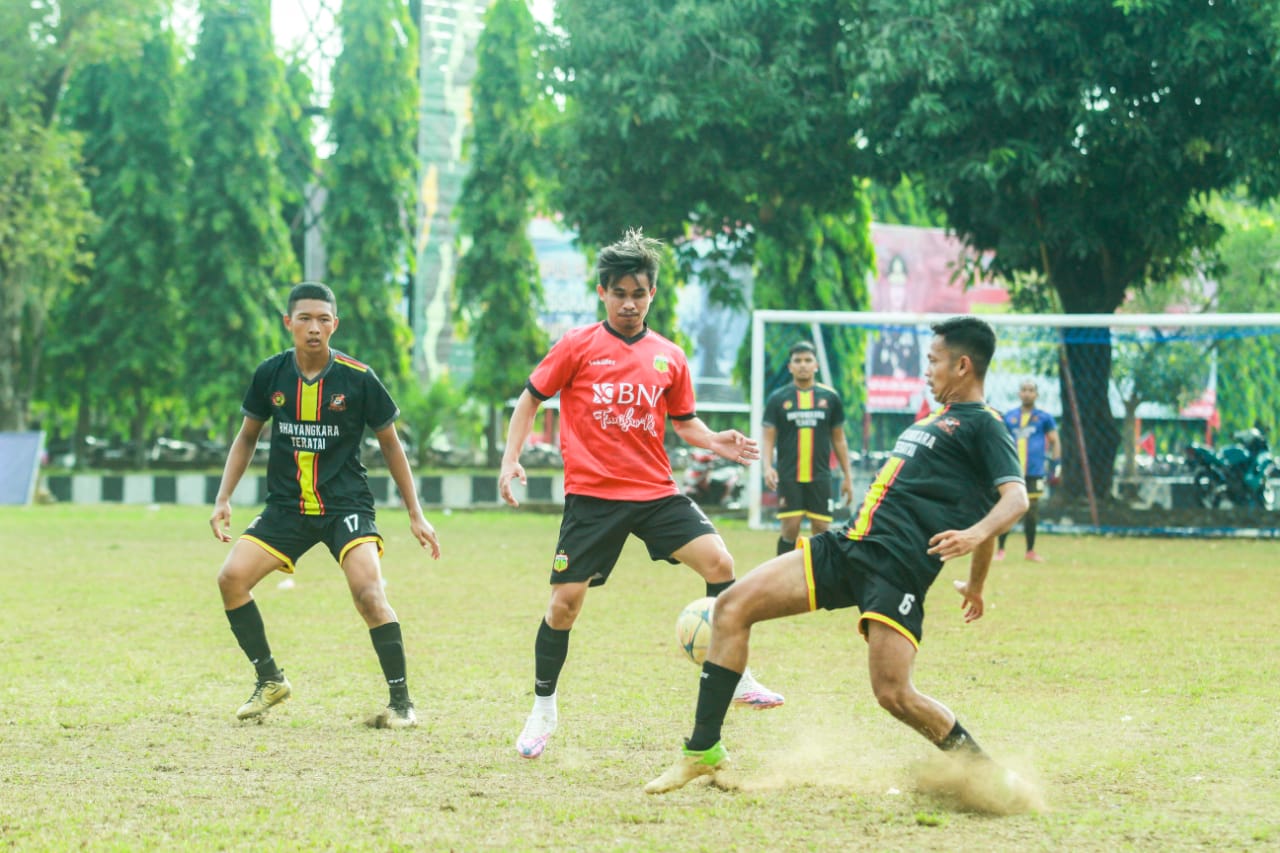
x=371, y=601
x=720, y=566
x=563, y=612
x=730, y=612
x=230, y=583
x=895, y=698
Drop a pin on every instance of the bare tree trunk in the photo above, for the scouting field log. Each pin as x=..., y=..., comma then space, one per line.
x=13, y=414
x=492, y=457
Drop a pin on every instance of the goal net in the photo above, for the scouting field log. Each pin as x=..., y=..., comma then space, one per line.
x=1164, y=420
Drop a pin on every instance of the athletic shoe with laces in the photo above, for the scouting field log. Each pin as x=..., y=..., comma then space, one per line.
x=267, y=692
x=395, y=716
x=999, y=555
x=1034, y=557
x=691, y=764
x=752, y=694
x=538, y=729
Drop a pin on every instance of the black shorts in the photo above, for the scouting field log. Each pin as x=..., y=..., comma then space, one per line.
x=812, y=500
x=841, y=572
x=288, y=534
x=1035, y=487
x=593, y=531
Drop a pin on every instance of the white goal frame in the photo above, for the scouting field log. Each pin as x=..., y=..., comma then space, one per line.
x=760, y=317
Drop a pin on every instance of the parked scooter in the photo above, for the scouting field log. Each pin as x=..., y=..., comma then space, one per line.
x=712, y=481
x=1241, y=473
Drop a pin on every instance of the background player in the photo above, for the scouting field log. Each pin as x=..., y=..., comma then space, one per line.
x=1035, y=434
x=618, y=382
x=805, y=421
x=321, y=401
x=951, y=484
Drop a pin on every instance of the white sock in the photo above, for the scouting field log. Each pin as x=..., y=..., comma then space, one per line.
x=545, y=705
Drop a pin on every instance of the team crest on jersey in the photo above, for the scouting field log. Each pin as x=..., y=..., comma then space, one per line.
x=661, y=363
x=822, y=404
x=947, y=425
x=338, y=403
x=560, y=563
x=788, y=404
x=277, y=399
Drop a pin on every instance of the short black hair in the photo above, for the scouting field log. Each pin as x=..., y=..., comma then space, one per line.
x=312, y=290
x=969, y=336
x=632, y=255
x=801, y=346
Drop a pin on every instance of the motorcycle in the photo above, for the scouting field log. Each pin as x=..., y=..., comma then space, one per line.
x=712, y=481
x=1242, y=473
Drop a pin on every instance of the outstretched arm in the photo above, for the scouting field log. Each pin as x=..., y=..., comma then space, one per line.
x=518, y=432
x=398, y=466
x=727, y=444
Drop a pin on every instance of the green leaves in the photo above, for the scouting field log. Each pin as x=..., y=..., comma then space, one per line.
x=499, y=286
x=371, y=178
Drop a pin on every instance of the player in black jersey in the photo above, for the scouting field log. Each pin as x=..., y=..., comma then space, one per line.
x=320, y=401
x=951, y=485
x=805, y=421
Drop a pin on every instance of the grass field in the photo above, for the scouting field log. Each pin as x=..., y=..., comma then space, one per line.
x=1134, y=680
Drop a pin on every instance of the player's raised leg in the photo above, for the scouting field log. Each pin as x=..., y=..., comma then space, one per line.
x=775, y=589
x=246, y=565
x=708, y=556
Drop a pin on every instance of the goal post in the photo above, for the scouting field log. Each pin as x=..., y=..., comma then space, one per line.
x=1131, y=394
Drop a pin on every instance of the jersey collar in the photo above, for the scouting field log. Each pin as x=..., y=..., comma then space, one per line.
x=631, y=340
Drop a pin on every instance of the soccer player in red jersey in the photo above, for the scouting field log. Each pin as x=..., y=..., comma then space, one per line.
x=320, y=401
x=618, y=382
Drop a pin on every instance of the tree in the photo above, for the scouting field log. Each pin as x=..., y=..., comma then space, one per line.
x=371, y=179
x=114, y=365
x=43, y=205
x=1071, y=138
x=719, y=113
x=820, y=263
x=1248, y=274
x=236, y=253
x=499, y=285
x=726, y=122
x=298, y=162
x=1156, y=368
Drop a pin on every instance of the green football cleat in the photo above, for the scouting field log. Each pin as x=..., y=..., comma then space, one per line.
x=692, y=764
x=395, y=717
x=266, y=694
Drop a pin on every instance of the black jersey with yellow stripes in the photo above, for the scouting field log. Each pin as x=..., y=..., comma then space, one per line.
x=804, y=419
x=943, y=474
x=314, y=466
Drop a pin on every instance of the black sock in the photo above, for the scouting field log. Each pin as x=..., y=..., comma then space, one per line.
x=1003, y=537
x=960, y=740
x=251, y=634
x=714, y=589
x=785, y=546
x=715, y=693
x=388, y=642
x=549, y=652
x=1030, y=525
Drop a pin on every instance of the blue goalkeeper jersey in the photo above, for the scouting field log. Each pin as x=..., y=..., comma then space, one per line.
x=1030, y=431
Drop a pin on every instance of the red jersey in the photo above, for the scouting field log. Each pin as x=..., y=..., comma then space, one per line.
x=615, y=396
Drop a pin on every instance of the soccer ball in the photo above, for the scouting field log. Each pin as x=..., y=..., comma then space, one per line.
x=693, y=629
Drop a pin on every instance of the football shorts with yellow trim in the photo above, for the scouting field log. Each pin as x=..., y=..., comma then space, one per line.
x=841, y=573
